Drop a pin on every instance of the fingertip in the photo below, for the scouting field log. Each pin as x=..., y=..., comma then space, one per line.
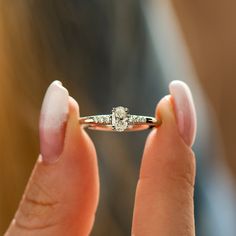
x=178, y=111
x=164, y=110
x=165, y=146
x=73, y=107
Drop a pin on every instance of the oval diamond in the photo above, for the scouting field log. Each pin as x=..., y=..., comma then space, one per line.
x=119, y=118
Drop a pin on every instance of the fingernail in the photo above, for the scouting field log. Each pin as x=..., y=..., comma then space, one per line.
x=53, y=119
x=184, y=110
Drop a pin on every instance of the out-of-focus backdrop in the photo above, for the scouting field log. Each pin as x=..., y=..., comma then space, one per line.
x=122, y=52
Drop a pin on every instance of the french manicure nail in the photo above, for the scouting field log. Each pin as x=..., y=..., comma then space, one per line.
x=53, y=119
x=184, y=110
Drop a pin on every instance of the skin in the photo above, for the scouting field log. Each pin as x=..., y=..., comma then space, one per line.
x=61, y=198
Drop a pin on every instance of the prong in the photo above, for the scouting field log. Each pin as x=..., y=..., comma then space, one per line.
x=126, y=109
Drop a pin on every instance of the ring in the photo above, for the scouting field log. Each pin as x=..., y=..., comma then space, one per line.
x=119, y=121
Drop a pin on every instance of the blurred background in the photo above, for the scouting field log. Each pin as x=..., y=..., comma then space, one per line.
x=121, y=52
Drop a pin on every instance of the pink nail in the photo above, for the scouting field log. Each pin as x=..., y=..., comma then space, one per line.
x=53, y=118
x=184, y=110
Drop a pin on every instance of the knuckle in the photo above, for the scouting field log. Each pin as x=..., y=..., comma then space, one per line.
x=37, y=209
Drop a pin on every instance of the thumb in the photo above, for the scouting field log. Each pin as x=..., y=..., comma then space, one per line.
x=62, y=194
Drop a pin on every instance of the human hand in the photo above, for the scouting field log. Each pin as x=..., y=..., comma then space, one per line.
x=62, y=194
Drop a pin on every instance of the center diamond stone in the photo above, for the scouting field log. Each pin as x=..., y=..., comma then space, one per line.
x=119, y=118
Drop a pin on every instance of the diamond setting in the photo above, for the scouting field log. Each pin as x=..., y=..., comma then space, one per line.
x=135, y=119
x=105, y=119
x=120, y=119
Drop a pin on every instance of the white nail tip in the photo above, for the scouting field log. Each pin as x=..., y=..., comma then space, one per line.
x=55, y=107
x=185, y=110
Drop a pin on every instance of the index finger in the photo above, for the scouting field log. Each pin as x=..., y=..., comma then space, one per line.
x=164, y=196
x=62, y=194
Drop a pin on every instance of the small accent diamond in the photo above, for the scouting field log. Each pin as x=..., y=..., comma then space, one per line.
x=95, y=119
x=106, y=119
